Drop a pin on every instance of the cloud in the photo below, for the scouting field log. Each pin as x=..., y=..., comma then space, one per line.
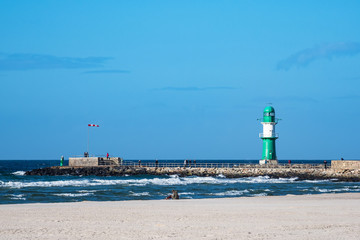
x=106, y=71
x=193, y=88
x=328, y=51
x=22, y=61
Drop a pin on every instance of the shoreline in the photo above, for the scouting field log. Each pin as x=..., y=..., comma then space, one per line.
x=182, y=199
x=187, y=199
x=330, y=216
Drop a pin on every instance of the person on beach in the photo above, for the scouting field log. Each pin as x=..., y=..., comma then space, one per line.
x=185, y=161
x=174, y=195
x=139, y=163
x=107, y=156
x=289, y=162
x=156, y=163
x=62, y=161
x=325, y=162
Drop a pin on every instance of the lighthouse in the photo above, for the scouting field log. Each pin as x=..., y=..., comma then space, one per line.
x=269, y=136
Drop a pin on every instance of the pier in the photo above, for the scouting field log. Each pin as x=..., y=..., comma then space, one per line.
x=349, y=170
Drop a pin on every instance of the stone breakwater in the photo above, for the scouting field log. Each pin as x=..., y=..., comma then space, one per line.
x=299, y=173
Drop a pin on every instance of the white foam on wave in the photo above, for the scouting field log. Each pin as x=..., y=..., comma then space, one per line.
x=186, y=193
x=139, y=194
x=318, y=181
x=61, y=183
x=17, y=196
x=172, y=180
x=73, y=194
x=19, y=173
x=230, y=193
x=345, y=189
x=87, y=191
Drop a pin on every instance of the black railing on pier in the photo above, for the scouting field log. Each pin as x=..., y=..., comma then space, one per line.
x=221, y=165
x=210, y=164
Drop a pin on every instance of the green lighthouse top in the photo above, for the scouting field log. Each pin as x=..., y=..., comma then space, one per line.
x=269, y=109
x=269, y=114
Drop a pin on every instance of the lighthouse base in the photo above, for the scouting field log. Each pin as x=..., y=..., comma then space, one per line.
x=269, y=162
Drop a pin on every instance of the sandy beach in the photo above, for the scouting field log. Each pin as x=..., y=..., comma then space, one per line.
x=324, y=216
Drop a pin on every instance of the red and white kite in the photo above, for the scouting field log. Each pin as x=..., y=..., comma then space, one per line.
x=93, y=125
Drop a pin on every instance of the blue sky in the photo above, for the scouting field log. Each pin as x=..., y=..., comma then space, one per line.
x=178, y=79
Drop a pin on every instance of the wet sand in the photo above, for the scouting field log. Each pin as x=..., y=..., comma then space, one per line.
x=324, y=216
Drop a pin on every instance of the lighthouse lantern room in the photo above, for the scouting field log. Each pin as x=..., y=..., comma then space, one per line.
x=269, y=136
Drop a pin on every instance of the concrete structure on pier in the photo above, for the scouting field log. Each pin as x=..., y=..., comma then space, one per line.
x=345, y=164
x=93, y=161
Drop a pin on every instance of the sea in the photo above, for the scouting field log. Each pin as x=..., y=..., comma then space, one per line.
x=18, y=188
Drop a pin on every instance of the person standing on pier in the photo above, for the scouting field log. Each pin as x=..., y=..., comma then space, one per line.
x=325, y=162
x=139, y=163
x=107, y=156
x=185, y=162
x=62, y=161
x=156, y=163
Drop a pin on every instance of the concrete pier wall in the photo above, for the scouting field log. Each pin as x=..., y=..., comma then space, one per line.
x=93, y=161
x=345, y=164
x=84, y=162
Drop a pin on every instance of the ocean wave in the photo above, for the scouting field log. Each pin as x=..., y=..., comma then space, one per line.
x=87, y=191
x=186, y=193
x=259, y=195
x=17, y=196
x=192, y=180
x=19, y=173
x=319, y=181
x=230, y=193
x=345, y=189
x=139, y=194
x=73, y=194
x=331, y=190
x=61, y=183
x=171, y=181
